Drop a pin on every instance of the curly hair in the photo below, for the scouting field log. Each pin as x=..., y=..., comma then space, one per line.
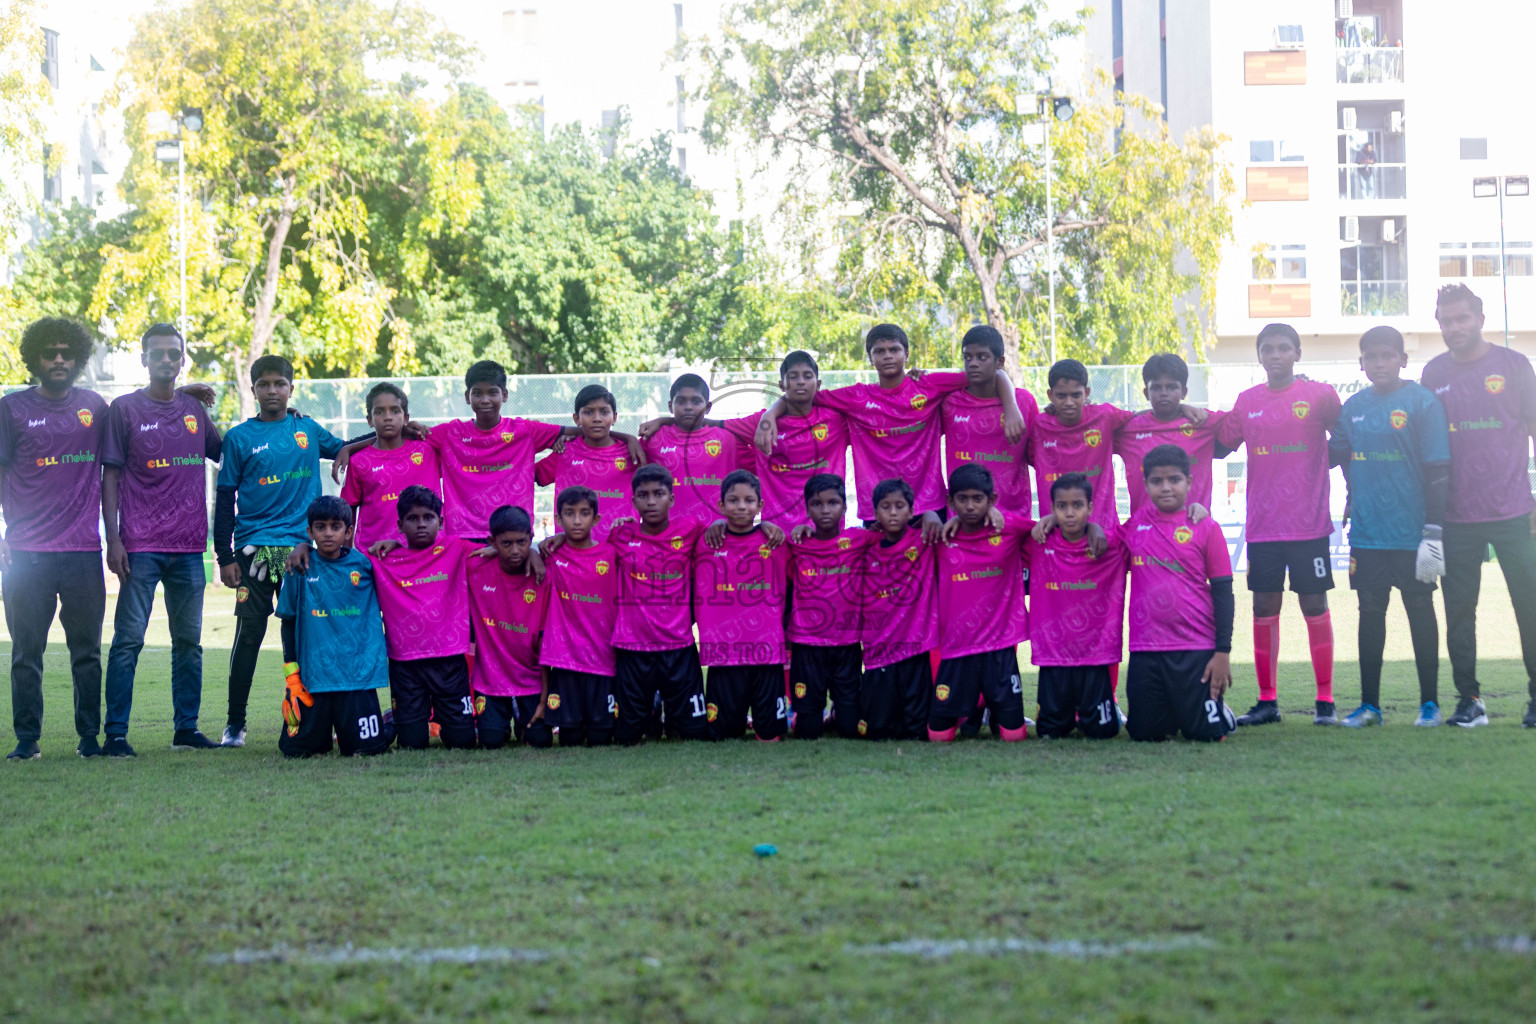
x=53, y=331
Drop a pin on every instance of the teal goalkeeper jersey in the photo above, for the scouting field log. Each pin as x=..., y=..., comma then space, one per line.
x=340, y=631
x=274, y=469
x=1389, y=439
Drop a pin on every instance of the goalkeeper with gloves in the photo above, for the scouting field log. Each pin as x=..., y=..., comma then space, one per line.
x=333, y=645
x=1393, y=445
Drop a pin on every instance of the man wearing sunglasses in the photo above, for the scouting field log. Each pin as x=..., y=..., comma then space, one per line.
x=154, y=504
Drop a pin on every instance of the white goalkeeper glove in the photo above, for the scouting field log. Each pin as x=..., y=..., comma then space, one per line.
x=1430, y=563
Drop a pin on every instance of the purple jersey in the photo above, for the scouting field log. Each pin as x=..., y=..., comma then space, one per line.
x=973, y=432
x=52, y=489
x=1172, y=564
x=162, y=448
x=1488, y=403
x=1286, y=432
x=1145, y=432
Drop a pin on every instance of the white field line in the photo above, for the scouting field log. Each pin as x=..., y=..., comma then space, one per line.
x=1072, y=949
x=350, y=954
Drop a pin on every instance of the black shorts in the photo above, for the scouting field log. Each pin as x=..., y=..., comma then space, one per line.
x=353, y=715
x=499, y=720
x=894, y=700
x=1376, y=569
x=1077, y=697
x=1167, y=696
x=254, y=598
x=676, y=675
x=435, y=686
x=815, y=673
x=581, y=705
x=733, y=690
x=992, y=674
x=1310, y=563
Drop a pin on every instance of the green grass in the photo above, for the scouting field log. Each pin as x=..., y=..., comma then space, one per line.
x=1310, y=874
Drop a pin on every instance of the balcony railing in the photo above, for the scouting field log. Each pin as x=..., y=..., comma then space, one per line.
x=1374, y=298
x=1386, y=181
x=1368, y=65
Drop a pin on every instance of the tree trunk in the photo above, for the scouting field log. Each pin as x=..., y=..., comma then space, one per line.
x=265, y=316
x=995, y=318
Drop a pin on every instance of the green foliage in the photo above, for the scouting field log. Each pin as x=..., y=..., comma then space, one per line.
x=23, y=97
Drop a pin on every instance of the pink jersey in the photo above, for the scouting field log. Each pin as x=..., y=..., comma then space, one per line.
x=804, y=446
x=375, y=478
x=895, y=434
x=973, y=432
x=1172, y=564
x=485, y=469
x=1144, y=432
x=981, y=589
x=425, y=600
x=606, y=470
x=738, y=600
x=508, y=614
x=698, y=461
x=1087, y=447
x=1286, y=432
x=1076, y=601
x=655, y=586
x=901, y=600
x=828, y=578
x=583, y=607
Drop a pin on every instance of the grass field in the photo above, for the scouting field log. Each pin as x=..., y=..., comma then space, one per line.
x=1291, y=874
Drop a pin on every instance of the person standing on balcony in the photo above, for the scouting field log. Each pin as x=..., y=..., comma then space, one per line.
x=1366, y=160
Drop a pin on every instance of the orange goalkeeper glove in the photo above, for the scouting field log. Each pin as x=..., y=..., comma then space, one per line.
x=295, y=698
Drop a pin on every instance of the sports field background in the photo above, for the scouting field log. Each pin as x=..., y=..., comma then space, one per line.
x=1291, y=874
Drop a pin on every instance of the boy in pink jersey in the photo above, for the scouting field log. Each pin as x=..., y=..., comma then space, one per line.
x=1181, y=611
x=1166, y=380
x=507, y=603
x=738, y=599
x=653, y=634
x=596, y=460
x=578, y=629
x=378, y=474
x=1285, y=423
x=895, y=424
x=1077, y=606
x=825, y=656
x=973, y=421
x=1074, y=436
x=699, y=455
x=901, y=622
x=425, y=601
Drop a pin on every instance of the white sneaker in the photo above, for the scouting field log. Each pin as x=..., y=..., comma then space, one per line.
x=233, y=737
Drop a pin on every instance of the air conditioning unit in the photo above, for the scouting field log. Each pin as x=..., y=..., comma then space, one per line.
x=1395, y=122
x=1351, y=229
x=1288, y=37
x=1346, y=8
x=1389, y=230
x=1349, y=119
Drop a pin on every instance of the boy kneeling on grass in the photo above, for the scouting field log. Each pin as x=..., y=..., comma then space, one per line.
x=333, y=645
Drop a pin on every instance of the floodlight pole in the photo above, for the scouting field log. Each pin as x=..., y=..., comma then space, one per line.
x=1050, y=234
x=1503, y=262
x=181, y=219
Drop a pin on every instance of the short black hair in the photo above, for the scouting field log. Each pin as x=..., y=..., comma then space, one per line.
x=417, y=496
x=799, y=357
x=984, y=334
x=575, y=496
x=1383, y=335
x=595, y=393
x=162, y=330
x=1073, y=482
x=386, y=388
x=1284, y=330
x=511, y=519
x=53, y=331
x=885, y=332
x=271, y=364
x=971, y=477
x=826, y=482
x=1067, y=369
x=486, y=371
x=885, y=488
x=651, y=473
x=328, y=507
x=1165, y=364
x=1458, y=292
x=740, y=476
x=689, y=381
x=1165, y=455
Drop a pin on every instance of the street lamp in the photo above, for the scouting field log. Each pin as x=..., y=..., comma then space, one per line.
x=1489, y=188
x=1060, y=109
x=172, y=151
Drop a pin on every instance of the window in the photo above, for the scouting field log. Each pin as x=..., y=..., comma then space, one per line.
x=1289, y=37
x=1281, y=263
x=530, y=28
x=1273, y=151
x=53, y=178
x=51, y=57
x=682, y=107
x=526, y=19
x=1474, y=149
x=1483, y=261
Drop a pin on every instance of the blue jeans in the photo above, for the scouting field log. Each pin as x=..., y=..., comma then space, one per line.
x=38, y=584
x=184, y=580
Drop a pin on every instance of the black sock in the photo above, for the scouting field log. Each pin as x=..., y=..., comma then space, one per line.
x=242, y=666
x=1373, y=642
x=1426, y=643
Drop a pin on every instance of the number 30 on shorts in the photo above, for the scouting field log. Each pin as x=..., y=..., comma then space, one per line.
x=368, y=727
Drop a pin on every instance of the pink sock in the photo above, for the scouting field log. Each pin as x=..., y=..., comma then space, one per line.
x=942, y=735
x=1320, y=639
x=1114, y=680
x=773, y=740
x=934, y=657
x=1266, y=653
x=1015, y=735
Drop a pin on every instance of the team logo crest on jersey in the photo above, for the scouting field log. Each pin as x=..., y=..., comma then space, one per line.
x=800, y=691
x=995, y=540
x=191, y=423
x=1182, y=534
x=1493, y=382
x=620, y=463
x=712, y=446
x=941, y=692
x=910, y=554
x=1301, y=409
x=479, y=705
x=415, y=458
x=437, y=550
x=602, y=568
x=554, y=702
x=506, y=437
x=843, y=543
x=357, y=577
x=85, y=414
x=764, y=550
x=301, y=439
x=677, y=543
x=711, y=711
x=1352, y=565
x=1188, y=430
x=1399, y=419
x=820, y=431
x=242, y=594
x=863, y=727
x=529, y=596
x=1093, y=438
x=918, y=401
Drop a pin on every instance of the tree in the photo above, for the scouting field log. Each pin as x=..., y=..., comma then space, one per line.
x=919, y=114
x=23, y=97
